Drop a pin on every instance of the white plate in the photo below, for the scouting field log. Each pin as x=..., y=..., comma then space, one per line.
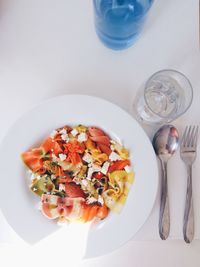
x=19, y=205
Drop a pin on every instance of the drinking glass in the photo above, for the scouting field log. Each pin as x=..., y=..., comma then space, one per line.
x=119, y=22
x=166, y=95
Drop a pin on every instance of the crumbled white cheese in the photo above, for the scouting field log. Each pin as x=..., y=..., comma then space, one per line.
x=105, y=167
x=53, y=133
x=89, y=173
x=61, y=187
x=34, y=189
x=82, y=137
x=84, y=182
x=65, y=137
x=100, y=200
x=87, y=158
x=112, y=147
x=53, y=177
x=74, y=132
x=114, y=156
x=62, y=157
x=91, y=200
x=127, y=169
x=92, y=168
x=96, y=168
x=63, y=131
x=76, y=180
x=54, y=157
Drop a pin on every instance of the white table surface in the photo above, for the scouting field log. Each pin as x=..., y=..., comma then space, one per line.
x=49, y=48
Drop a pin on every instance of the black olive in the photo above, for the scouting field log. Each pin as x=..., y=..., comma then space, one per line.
x=103, y=180
x=71, y=173
x=100, y=190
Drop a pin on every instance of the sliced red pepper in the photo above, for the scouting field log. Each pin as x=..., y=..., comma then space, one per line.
x=94, y=131
x=73, y=147
x=92, y=212
x=118, y=165
x=101, y=139
x=66, y=179
x=102, y=212
x=50, y=144
x=105, y=149
x=57, y=149
x=73, y=190
x=74, y=158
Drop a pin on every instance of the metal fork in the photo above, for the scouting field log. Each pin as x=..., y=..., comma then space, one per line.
x=188, y=152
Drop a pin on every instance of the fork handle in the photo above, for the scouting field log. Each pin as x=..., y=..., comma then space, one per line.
x=188, y=222
x=164, y=220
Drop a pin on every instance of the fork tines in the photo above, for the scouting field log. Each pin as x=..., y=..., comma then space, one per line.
x=190, y=137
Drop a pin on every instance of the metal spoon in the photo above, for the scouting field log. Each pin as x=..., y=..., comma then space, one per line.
x=165, y=143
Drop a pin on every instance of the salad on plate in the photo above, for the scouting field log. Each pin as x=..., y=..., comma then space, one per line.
x=79, y=174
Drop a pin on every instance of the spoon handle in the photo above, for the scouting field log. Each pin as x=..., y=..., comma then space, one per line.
x=164, y=220
x=188, y=223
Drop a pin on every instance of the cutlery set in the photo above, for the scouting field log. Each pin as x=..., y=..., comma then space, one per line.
x=165, y=143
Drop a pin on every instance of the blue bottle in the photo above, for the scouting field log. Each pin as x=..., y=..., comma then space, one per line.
x=118, y=23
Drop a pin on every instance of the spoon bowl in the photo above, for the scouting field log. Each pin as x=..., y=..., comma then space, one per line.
x=165, y=143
